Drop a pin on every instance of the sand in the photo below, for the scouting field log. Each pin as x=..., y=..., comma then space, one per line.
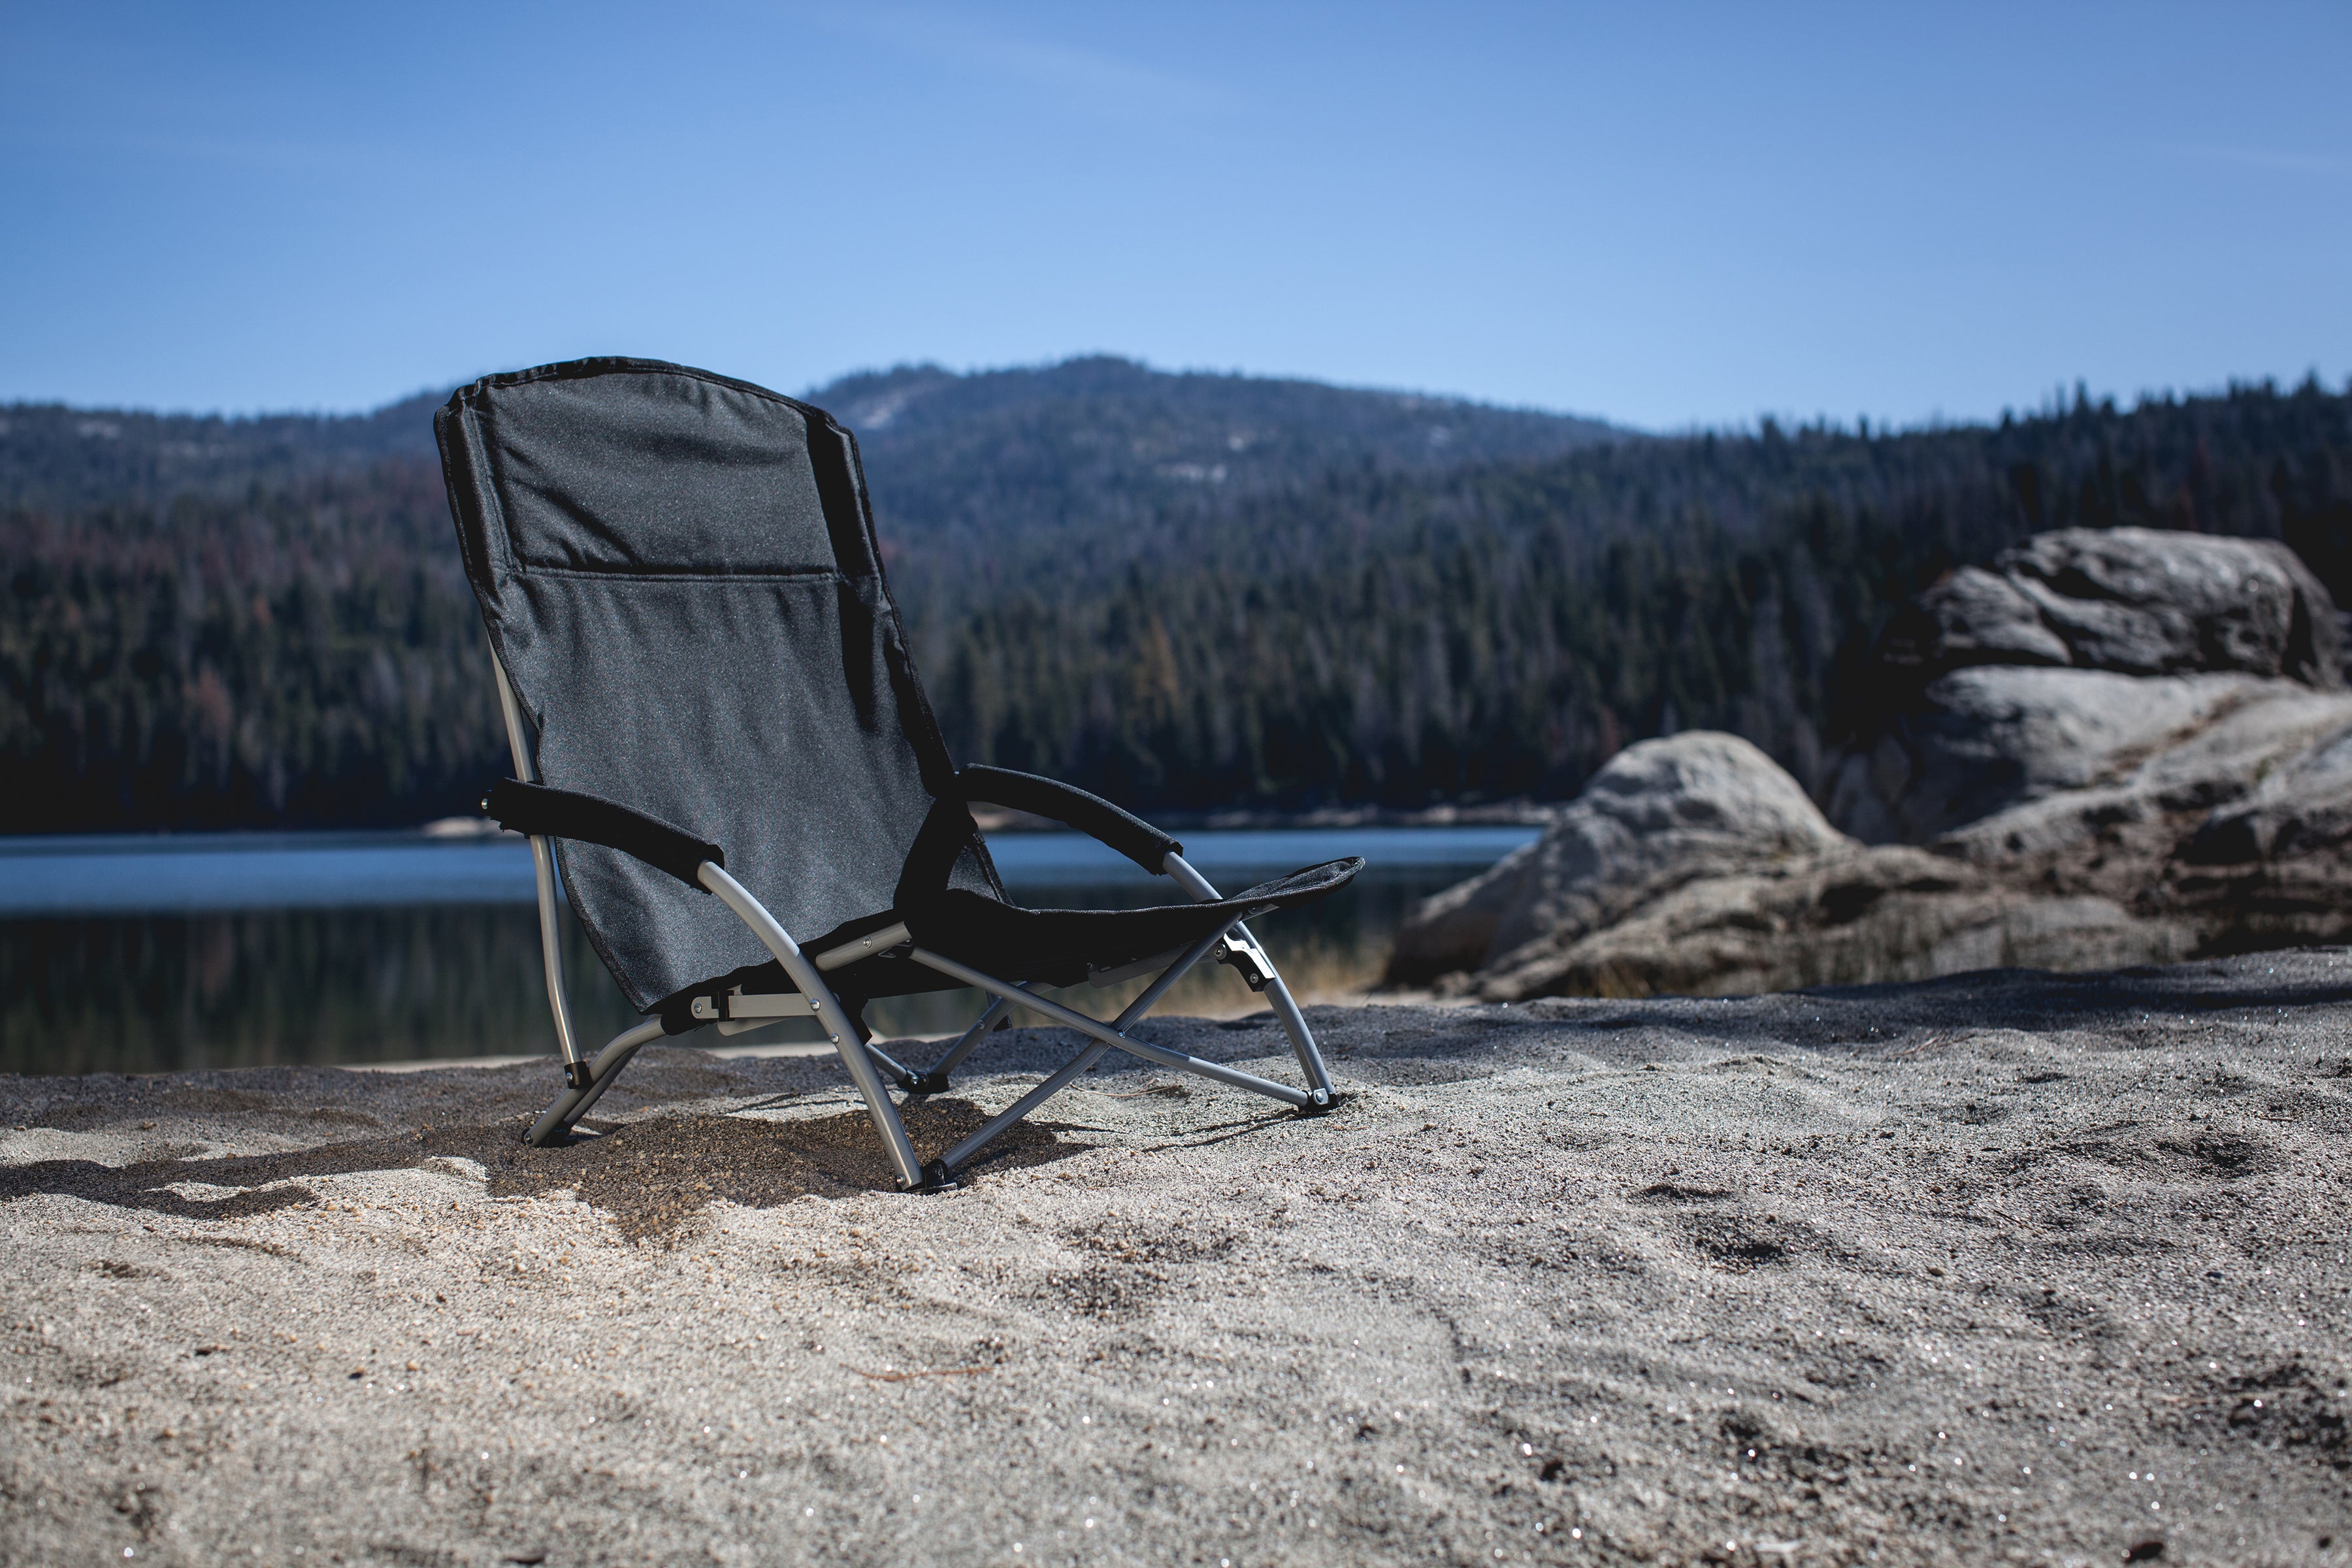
x=2012, y=1267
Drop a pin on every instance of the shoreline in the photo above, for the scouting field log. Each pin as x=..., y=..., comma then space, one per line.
x=464, y=830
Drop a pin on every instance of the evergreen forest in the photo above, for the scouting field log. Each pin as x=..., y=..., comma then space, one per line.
x=1190, y=593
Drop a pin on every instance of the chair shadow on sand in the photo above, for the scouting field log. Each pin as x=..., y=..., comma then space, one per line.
x=651, y=1177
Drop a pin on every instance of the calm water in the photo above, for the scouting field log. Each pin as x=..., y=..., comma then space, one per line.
x=148, y=954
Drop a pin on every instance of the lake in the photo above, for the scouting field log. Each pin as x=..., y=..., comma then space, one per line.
x=148, y=954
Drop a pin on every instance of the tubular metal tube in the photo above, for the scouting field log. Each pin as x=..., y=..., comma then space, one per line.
x=1293, y=1022
x=997, y=1007
x=542, y=865
x=556, y=1119
x=573, y=1104
x=1168, y=976
x=1079, y=1063
x=1023, y=1106
x=1104, y=1032
x=1302, y=1039
x=526, y=766
x=889, y=1064
x=551, y=948
x=1237, y=1079
x=803, y=976
x=1181, y=871
x=613, y=1059
x=882, y=940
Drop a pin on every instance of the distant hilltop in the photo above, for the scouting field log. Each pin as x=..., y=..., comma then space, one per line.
x=994, y=449
x=57, y=458
x=1090, y=439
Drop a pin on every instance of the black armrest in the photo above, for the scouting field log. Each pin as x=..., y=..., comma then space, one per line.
x=544, y=813
x=1089, y=814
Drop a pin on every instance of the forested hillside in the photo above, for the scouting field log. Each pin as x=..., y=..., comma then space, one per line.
x=1502, y=630
x=1081, y=466
x=59, y=460
x=1369, y=625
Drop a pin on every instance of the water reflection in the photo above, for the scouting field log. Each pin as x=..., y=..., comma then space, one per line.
x=458, y=976
x=157, y=993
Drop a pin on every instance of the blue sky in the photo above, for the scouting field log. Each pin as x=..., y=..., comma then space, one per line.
x=1665, y=215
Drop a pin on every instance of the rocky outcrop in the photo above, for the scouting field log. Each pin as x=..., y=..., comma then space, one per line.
x=2109, y=748
x=2078, y=657
x=1695, y=866
x=2129, y=600
x=1980, y=741
x=1662, y=814
x=1864, y=915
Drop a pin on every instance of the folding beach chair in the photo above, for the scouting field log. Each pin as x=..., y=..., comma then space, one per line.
x=721, y=747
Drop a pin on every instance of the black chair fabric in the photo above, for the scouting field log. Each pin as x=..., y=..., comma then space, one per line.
x=1054, y=947
x=679, y=574
x=1059, y=946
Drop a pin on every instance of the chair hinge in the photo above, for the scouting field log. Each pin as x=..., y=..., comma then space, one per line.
x=1249, y=961
x=763, y=1006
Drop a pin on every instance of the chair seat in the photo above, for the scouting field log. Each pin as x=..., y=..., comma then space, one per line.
x=1058, y=947
x=1050, y=947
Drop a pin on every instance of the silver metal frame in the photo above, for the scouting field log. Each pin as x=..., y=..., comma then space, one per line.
x=542, y=860
x=586, y=1081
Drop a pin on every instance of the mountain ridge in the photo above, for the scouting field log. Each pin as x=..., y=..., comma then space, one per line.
x=1049, y=445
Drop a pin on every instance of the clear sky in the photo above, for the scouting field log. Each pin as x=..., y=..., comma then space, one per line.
x=1663, y=214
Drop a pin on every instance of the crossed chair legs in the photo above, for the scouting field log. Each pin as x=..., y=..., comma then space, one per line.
x=587, y=1079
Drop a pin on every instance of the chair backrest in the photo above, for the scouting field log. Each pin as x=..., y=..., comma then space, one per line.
x=679, y=574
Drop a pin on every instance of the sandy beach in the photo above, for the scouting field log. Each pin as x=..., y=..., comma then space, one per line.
x=2008, y=1267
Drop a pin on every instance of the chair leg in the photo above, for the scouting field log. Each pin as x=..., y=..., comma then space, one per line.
x=901, y=1074
x=1001, y=1122
x=1302, y=1039
x=936, y=1081
x=1107, y=1035
x=838, y=1027
x=1320, y=1094
x=573, y=1102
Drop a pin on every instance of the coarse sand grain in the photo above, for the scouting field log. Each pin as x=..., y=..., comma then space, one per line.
x=2010, y=1267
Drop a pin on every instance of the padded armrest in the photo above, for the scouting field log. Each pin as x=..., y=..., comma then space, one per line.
x=541, y=812
x=1089, y=814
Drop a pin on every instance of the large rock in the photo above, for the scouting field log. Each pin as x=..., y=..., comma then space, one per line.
x=2273, y=868
x=2302, y=805
x=2130, y=600
x=1859, y=916
x=2076, y=659
x=2108, y=749
x=1980, y=740
x=1697, y=866
x=1661, y=814
x=2142, y=806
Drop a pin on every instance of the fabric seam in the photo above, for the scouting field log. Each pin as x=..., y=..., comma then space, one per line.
x=714, y=579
